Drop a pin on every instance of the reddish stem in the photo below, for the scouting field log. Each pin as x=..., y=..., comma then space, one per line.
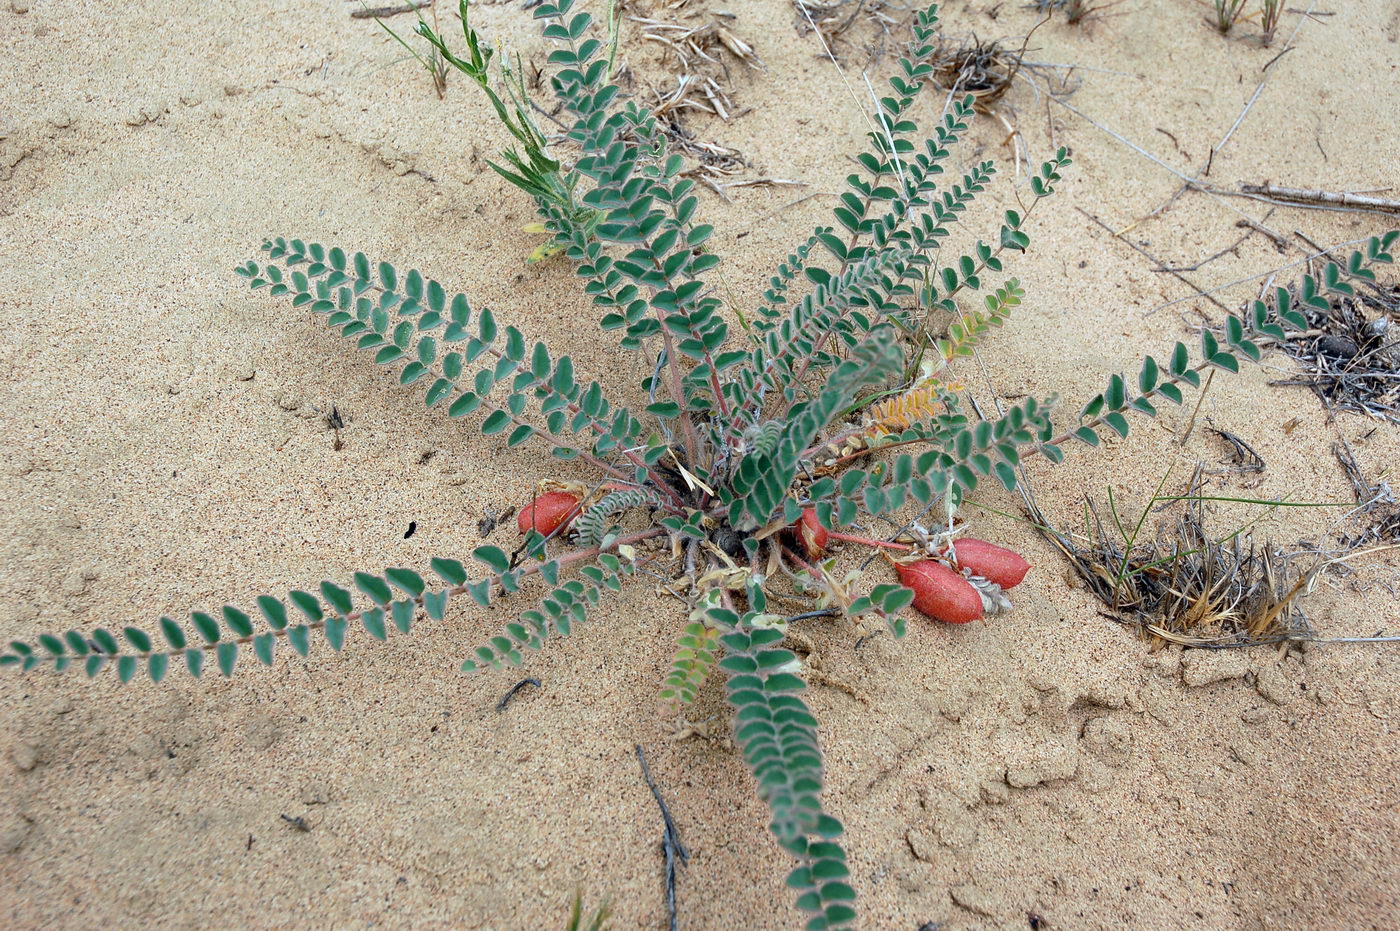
x=852, y=538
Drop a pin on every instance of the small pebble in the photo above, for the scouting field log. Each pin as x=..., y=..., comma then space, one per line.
x=25, y=756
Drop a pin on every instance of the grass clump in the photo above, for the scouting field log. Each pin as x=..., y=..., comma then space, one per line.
x=1189, y=584
x=1225, y=14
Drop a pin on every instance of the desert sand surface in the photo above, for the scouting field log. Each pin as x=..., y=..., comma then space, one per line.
x=166, y=448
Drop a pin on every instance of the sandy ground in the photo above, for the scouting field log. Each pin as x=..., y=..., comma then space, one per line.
x=165, y=448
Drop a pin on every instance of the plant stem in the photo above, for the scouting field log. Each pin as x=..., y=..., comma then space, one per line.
x=866, y=541
x=673, y=369
x=866, y=451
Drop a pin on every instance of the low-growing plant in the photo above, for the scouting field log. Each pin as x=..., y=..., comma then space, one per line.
x=578, y=921
x=1191, y=584
x=1270, y=11
x=832, y=403
x=432, y=62
x=1076, y=11
x=1227, y=13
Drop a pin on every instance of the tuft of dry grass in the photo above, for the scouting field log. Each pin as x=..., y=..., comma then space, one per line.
x=698, y=56
x=844, y=25
x=694, y=45
x=1185, y=586
x=1077, y=12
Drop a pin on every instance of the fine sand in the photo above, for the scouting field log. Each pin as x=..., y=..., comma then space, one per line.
x=165, y=448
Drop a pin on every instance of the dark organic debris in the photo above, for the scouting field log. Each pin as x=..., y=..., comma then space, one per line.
x=834, y=19
x=1350, y=354
x=1377, y=509
x=700, y=79
x=491, y=518
x=335, y=422
x=670, y=839
x=983, y=69
x=514, y=690
x=1297, y=197
x=1245, y=457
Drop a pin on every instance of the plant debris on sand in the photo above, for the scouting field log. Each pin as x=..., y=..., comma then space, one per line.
x=1351, y=357
x=1188, y=586
x=983, y=69
x=1376, y=504
x=698, y=55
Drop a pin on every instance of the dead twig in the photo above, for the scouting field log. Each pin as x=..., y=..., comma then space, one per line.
x=1269, y=273
x=379, y=12
x=1298, y=197
x=1190, y=182
x=1161, y=266
x=514, y=689
x=1247, y=458
x=670, y=839
x=1200, y=399
x=1375, y=501
x=698, y=57
x=1206, y=261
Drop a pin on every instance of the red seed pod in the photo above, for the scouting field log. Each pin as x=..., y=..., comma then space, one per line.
x=993, y=563
x=939, y=592
x=549, y=512
x=813, y=536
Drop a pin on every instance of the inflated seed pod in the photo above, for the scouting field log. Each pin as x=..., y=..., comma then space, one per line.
x=993, y=563
x=813, y=536
x=548, y=512
x=939, y=592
